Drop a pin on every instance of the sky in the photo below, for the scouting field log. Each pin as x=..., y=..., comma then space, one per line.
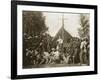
x=54, y=22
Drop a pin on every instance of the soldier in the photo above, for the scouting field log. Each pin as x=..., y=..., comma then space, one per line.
x=83, y=51
x=46, y=56
x=52, y=56
x=35, y=53
x=59, y=44
x=29, y=56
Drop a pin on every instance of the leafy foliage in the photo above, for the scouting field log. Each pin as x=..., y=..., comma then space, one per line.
x=84, y=23
x=33, y=32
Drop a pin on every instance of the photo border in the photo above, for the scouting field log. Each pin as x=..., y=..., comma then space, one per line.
x=14, y=38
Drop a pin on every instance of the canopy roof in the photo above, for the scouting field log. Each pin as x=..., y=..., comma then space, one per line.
x=63, y=34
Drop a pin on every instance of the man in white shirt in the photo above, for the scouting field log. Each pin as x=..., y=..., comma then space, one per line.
x=83, y=51
x=60, y=42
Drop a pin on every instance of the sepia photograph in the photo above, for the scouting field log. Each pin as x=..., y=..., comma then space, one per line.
x=55, y=39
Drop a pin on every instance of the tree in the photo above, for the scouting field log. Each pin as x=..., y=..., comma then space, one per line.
x=33, y=22
x=33, y=29
x=84, y=32
x=84, y=23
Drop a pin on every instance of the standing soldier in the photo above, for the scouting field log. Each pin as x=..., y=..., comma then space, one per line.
x=59, y=44
x=88, y=50
x=83, y=51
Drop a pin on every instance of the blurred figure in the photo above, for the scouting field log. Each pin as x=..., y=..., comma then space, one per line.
x=52, y=55
x=46, y=56
x=57, y=56
x=59, y=44
x=35, y=54
x=83, y=51
x=29, y=56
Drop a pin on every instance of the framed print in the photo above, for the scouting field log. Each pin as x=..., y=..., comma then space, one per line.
x=53, y=39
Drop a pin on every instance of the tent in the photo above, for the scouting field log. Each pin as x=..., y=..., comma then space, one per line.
x=64, y=35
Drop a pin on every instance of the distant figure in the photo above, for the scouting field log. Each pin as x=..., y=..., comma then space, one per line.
x=29, y=56
x=83, y=51
x=29, y=53
x=60, y=41
x=52, y=56
x=57, y=56
x=46, y=57
x=35, y=56
x=67, y=58
x=88, y=50
x=59, y=44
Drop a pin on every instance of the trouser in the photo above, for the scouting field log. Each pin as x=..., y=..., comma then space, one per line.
x=83, y=57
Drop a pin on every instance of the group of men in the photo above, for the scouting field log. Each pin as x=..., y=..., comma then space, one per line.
x=56, y=56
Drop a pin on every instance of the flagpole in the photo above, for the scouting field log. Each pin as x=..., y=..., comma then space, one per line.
x=63, y=26
x=62, y=31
